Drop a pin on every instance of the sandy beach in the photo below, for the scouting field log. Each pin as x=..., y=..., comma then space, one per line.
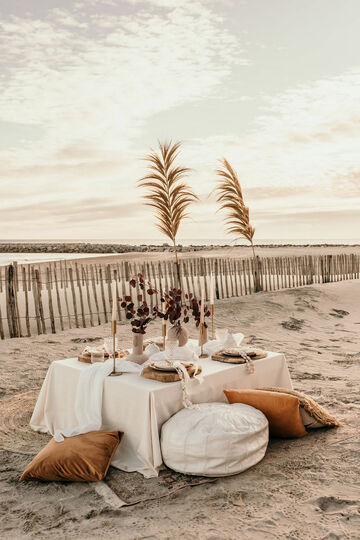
x=172, y=168
x=305, y=488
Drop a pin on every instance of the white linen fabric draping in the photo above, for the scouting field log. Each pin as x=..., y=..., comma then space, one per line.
x=139, y=406
x=88, y=399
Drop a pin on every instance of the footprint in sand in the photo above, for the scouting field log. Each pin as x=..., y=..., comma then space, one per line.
x=85, y=340
x=293, y=324
x=334, y=505
x=311, y=376
x=339, y=313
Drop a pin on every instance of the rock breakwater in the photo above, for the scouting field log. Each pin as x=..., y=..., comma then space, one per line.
x=68, y=247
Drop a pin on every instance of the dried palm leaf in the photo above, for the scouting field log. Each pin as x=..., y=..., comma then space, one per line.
x=230, y=197
x=166, y=191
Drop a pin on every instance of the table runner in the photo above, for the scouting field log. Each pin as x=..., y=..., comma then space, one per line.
x=139, y=406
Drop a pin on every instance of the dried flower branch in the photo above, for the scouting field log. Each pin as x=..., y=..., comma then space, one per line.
x=173, y=310
x=195, y=306
x=140, y=317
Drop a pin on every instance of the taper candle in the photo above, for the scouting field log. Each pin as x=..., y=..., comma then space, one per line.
x=202, y=306
x=212, y=304
x=212, y=290
x=114, y=304
x=163, y=324
x=113, y=323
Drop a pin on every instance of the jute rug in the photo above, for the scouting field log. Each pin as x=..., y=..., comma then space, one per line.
x=15, y=432
x=17, y=437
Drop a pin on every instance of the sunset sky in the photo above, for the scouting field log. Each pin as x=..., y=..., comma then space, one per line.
x=87, y=87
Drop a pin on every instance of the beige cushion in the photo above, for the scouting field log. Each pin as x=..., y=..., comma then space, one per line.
x=82, y=458
x=312, y=414
x=308, y=421
x=281, y=410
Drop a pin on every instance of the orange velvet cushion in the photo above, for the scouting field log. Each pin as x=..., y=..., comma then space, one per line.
x=82, y=458
x=281, y=410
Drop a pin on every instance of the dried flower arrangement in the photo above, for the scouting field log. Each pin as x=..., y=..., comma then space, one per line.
x=141, y=316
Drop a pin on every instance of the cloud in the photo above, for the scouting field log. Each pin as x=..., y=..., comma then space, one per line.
x=98, y=78
x=302, y=152
x=82, y=83
x=89, y=77
x=63, y=211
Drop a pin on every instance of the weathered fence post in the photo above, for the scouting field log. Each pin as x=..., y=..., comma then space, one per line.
x=11, y=302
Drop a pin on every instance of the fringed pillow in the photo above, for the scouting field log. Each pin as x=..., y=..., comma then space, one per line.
x=312, y=414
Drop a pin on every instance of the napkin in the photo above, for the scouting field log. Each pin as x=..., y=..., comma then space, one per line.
x=214, y=346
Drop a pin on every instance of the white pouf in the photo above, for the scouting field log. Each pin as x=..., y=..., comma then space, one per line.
x=217, y=439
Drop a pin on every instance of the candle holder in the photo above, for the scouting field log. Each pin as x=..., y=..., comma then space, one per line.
x=202, y=342
x=114, y=373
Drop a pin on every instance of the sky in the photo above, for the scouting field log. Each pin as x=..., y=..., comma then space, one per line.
x=88, y=87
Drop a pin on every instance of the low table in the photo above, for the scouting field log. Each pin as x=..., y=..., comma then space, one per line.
x=139, y=406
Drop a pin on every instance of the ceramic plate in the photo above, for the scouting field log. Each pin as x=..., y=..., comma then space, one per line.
x=162, y=365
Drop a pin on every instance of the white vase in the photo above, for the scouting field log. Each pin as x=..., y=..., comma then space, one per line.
x=179, y=334
x=138, y=356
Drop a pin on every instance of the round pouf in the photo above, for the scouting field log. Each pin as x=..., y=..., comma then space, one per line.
x=215, y=439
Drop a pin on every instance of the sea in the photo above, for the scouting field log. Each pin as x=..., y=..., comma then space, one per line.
x=22, y=258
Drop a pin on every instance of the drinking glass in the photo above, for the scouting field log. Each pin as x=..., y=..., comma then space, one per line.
x=170, y=347
x=97, y=356
x=109, y=347
x=222, y=334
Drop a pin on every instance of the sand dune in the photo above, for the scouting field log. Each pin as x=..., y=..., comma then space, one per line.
x=306, y=488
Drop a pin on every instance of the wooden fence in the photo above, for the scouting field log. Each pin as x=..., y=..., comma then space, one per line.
x=52, y=297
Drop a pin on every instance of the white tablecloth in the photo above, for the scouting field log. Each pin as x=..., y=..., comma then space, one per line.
x=139, y=406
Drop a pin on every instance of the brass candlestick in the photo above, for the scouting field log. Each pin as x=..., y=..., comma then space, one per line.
x=212, y=321
x=113, y=328
x=164, y=333
x=202, y=354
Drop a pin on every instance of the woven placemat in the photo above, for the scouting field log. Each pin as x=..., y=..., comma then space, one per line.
x=221, y=357
x=87, y=357
x=169, y=376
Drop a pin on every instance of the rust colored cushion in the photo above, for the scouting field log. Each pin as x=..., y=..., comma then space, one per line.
x=281, y=410
x=82, y=458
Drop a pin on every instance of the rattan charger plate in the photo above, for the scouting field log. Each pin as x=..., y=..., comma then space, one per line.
x=220, y=357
